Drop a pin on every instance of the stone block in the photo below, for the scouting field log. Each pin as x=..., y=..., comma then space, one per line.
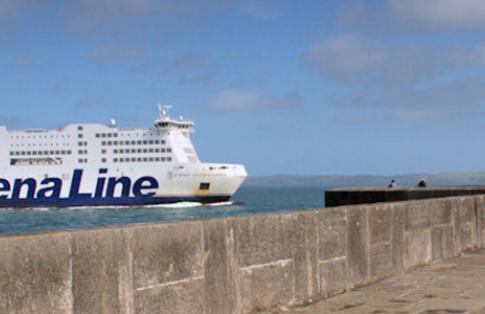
x=440, y=212
x=305, y=256
x=465, y=237
x=480, y=208
x=338, y=213
x=221, y=271
x=35, y=274
x=442, y=244
x=397, y=242
x=332, y=233
x=333, y=276
x=101, y=272
x=262, y=239
x=381, y=263
x=417, y=248
x=464, y=209
x=380, y=217
x=166, y=252
x=427, y=213
x=357, y=244
x=417, y=215
x=465, y=223
x=177, y=298
x=264, y=287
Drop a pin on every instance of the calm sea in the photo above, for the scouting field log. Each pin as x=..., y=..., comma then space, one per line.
x=248, y=200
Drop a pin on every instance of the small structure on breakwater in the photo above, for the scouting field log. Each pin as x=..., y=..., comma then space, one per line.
x=369, y=195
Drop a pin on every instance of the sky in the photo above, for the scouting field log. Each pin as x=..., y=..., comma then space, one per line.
x=305, y=87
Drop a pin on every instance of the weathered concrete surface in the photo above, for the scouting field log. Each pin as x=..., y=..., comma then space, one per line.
x=35, y=274
x=101, y=269
x=369, y=195
x=232, y=265
x=451, y=286
x=168, y=268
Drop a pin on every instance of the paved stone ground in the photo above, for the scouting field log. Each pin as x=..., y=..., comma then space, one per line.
x=452, y=286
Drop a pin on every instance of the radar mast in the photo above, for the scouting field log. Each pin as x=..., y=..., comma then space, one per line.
x=164, y=111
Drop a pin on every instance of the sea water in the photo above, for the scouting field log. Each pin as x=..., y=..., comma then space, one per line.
x=247, y=201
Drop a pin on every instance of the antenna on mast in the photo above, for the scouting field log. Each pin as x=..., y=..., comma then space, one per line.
x=164, y=111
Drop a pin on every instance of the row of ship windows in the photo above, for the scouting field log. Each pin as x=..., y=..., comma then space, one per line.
x=98, y=135
x=139, y=150
x=144, y=159
x=114, y=135
x=103, y=135
x=150, y=142
x=28, y=137
x=39, y=144
x=132, y=151
x=133, y=159
x=84, y=143
x=41, y=153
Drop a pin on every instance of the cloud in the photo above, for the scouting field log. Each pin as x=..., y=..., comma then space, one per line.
x=8, y=7
x=355, y=58
x=92, y=17
x=188, y=61
x=202, y=78
x=141, y=68
x=444, y=99
x=61, y=85
x=10, y=12
x=115, y=52
x=345, y=56
x=89, y=16
x=264, y=10
x=192, y=69
x=13, y=8
x=440, y=13
x=364, y=73
x=237, y=99
x=25, y=61
x=414, y=13
x=88, y=103
x=101, y=17
x=12, y=121
x=358, y=13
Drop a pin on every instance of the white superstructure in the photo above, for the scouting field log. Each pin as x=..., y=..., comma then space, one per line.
x=99, y=165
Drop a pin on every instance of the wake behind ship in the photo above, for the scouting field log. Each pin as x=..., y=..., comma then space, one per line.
x=99, y=165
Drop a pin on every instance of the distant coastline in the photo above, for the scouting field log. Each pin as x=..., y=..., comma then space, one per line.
x=465, y=178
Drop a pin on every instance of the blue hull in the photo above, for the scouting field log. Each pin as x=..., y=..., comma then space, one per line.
x=100, y=202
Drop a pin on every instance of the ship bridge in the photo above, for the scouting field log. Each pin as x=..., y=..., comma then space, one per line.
x=164, y=122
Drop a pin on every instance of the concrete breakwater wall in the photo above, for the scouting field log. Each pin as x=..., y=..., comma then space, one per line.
x=232, y=265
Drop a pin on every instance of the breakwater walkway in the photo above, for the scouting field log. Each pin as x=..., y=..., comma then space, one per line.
x=452, y=286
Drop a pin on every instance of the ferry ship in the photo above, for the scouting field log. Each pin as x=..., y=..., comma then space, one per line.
x=103, y=165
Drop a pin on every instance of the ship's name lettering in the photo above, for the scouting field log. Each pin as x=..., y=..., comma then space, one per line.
x=50, y=188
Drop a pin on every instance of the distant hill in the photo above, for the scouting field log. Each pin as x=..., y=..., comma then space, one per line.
x=472, y=178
